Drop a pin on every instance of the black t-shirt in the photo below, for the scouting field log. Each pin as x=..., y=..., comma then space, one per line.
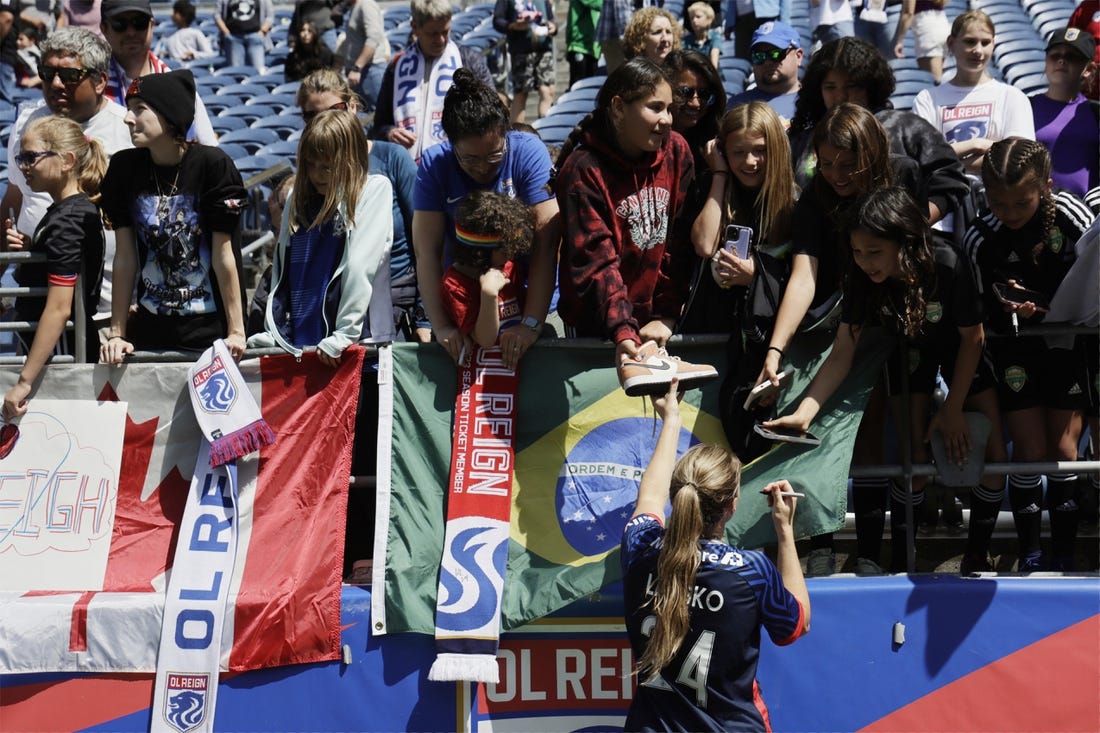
x=174, y=213
x=71, y=235
x=242, y=16
x=951, y=302
x=999, y=254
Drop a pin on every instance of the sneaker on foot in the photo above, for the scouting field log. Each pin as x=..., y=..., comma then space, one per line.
x=866, y=566
x=973, y=564
x=820, y=563
x=928, y=516
x=1032, y=563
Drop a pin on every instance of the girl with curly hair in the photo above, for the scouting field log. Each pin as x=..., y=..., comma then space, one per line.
x=902, y=279
x=1025, y=239
x=653, y=33
x=483, y=289
x=693, y=617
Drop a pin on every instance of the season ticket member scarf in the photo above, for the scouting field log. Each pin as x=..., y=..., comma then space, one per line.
x=190, y=649
x=479, y=506
x=423, y=118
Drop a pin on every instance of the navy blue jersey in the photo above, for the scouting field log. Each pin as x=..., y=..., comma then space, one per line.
x=711, y=682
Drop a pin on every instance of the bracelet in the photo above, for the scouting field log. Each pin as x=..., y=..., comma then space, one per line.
x=777, y=350
x=112, y=338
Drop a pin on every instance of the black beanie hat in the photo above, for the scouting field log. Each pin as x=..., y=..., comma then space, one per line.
x=171, y=94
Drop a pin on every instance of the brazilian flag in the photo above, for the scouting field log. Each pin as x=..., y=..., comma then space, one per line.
x=581, y=446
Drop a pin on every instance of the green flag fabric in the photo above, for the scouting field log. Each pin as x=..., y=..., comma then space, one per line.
x=580, y=450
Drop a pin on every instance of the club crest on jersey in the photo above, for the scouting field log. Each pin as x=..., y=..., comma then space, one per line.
x=1015, y=378
x=1057, y=239
x=185, y=700
x=214, y=387
x=933, y=312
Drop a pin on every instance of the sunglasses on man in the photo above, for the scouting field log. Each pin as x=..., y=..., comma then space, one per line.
x=69, y=77
x=774, y=54
x=135, y=22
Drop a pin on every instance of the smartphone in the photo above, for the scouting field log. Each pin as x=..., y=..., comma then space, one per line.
x=1017, y=296
x=787, y=435
x=766, y=388
x=737, y=240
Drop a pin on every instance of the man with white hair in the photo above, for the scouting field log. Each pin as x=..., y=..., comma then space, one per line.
x=410, y=103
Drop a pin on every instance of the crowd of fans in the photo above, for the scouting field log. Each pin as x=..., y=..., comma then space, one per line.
x=939, y=226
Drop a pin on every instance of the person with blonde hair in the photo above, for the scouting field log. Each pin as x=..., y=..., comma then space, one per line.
x=752, y=186
x=701, y=34
x=57, y=159
x=652, y=32
x=695, y=604
x=330, y=275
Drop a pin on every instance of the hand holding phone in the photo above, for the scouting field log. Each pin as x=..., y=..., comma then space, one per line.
x=1015, y=295
x=738, y=239
x=781, y=434
x=767, y=389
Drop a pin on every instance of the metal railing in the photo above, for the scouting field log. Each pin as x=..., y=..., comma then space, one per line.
x=76, y=324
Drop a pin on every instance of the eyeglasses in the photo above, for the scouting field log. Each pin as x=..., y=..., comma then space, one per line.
x=135, y=22
x=307, y=117
x=775, y=54
x=69, y=77
x=704, y=95
x=28, y=158
x=490, y=159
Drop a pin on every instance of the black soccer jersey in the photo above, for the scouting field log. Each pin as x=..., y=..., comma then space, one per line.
x=711, y=682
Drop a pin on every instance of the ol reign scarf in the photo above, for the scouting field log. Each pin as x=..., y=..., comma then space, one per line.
x=479, y=505
x=198, y=587
x=423, y=118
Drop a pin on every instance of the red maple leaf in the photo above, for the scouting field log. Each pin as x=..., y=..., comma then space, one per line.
x=144, y=539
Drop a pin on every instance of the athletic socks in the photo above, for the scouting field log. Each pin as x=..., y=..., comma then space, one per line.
x=869, y=497
x=1063, y=518
x=985, y=504
x=1025, y=494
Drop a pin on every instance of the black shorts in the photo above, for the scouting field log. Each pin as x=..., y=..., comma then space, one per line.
x=1089, y=349
x=1029, y=374
x=924, y=365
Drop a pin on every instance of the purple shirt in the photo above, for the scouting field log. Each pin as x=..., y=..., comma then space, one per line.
x=1068, y=129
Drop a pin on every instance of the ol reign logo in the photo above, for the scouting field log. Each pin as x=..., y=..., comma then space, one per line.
x=214, y=388
x=185, y=701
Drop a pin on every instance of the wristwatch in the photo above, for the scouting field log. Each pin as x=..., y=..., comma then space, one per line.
x=356, y=69
x=532, y=323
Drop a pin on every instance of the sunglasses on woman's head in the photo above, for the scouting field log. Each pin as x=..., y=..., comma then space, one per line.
x=704, y=95
x=137, y=23
x=775, y=54
x=307, y=117
x=69, y=77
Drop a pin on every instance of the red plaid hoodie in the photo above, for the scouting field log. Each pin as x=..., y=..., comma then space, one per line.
x=625, y=259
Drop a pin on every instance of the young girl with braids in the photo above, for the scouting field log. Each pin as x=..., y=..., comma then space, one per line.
x=902, y=279
x=1026, y=240
x=694, y=604
x=57, y=159
x=752, y=186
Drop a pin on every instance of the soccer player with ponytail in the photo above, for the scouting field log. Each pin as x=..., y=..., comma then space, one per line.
x=694, y=604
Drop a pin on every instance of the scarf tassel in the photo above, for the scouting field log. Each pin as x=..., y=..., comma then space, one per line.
x=240, y=443
x=449, y=667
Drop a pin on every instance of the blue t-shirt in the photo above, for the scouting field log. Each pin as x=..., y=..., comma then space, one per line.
x=441, y=184
x=783, y=104
x=711, y=682
x=394, y=162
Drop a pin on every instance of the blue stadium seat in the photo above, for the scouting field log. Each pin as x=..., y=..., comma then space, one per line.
x=227, y=124
x=254, y=164
x=290, y=87
x=287, y=149
x=279, y=54
x=233, y=150
x=279, y=101
x=237, y=73
x=1031, y=84
x=902, y=102
x=594, y=82
x=250, y=112
x=398, y=37
x=251, y=138
x=215, y=103
x=554, y=134
x=1025, y=68
x=283, y=124
x=269, y=80
x=565, y=119
x=587, y=94
x=921, y=75
x=572, y=105
x=243, y=90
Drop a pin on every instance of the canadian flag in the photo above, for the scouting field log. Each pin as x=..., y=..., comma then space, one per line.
x=286, y=582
